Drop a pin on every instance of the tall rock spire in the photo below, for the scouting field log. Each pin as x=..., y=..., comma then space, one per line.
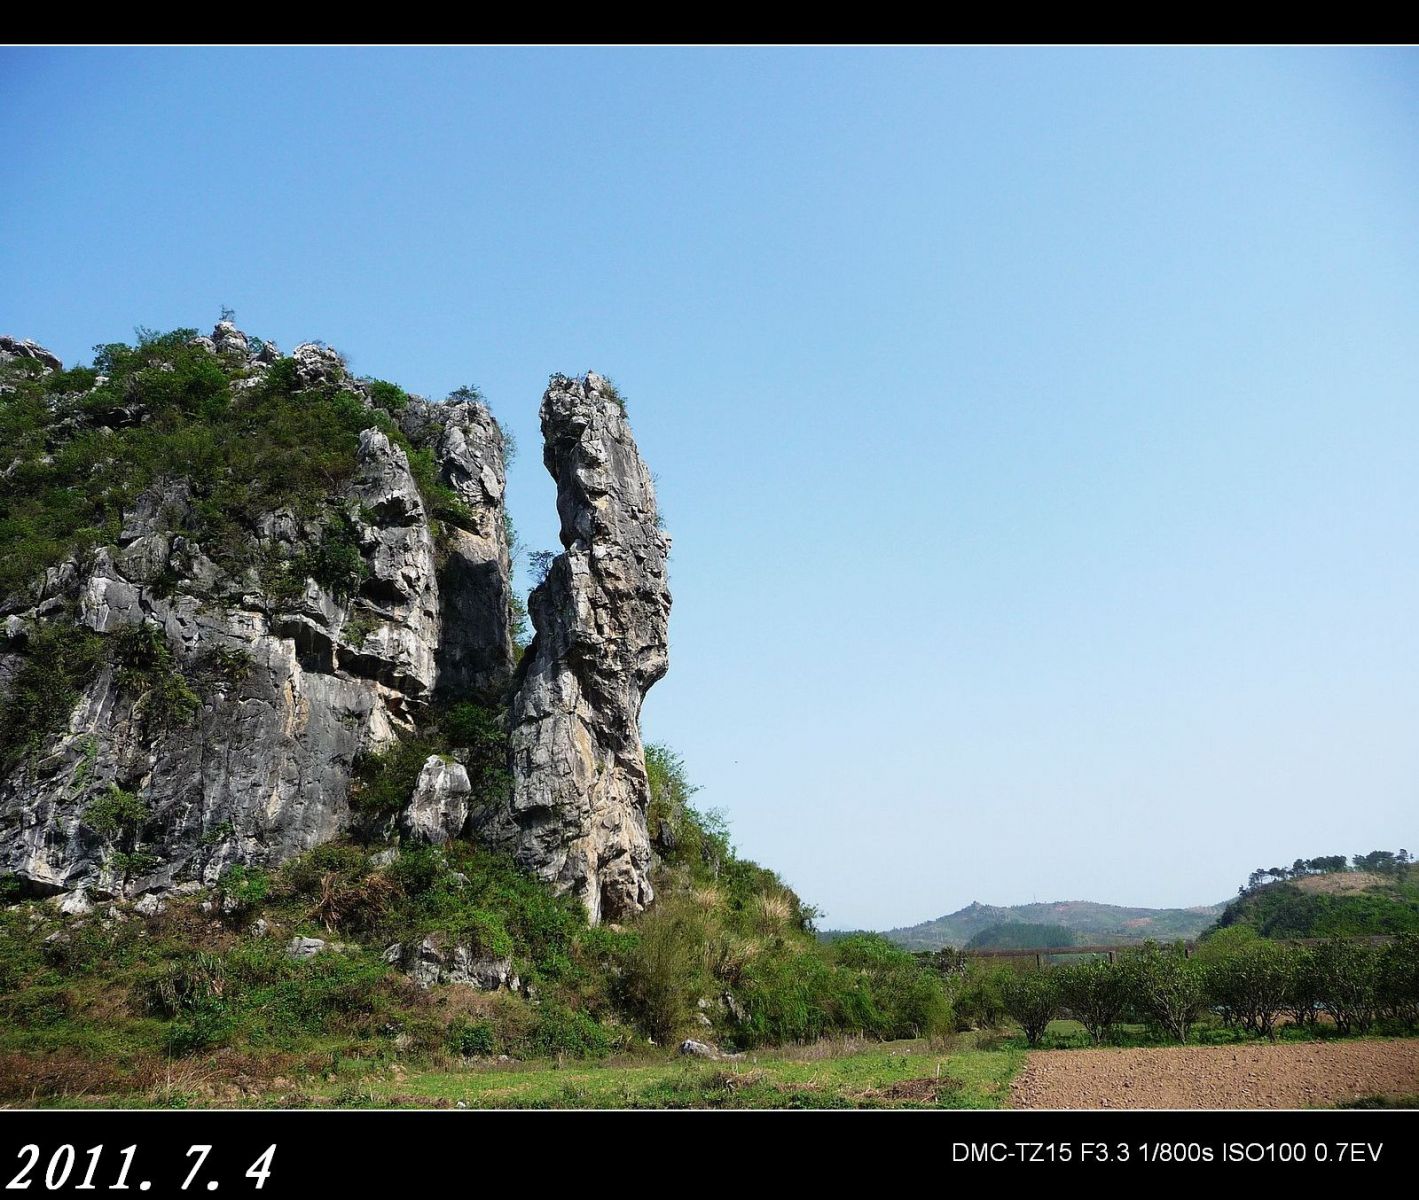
x=577, y=813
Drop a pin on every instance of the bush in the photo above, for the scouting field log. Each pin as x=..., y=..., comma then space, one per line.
x=116, y=815
x=1166, y=987
x=1095, y=993
x=60, y=660
x=1398, y=979
x=472, y=1039
x=1346, y=982
x=978, y=998
x=662, y=969
x=384, y=782
x=1032, y=998
x=560, y=1030
x=147, y=670
x=904, y=998
x=1253, y=983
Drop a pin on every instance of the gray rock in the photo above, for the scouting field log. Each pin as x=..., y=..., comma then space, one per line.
x=150, y=905
x=385, y=858
x=16, y=348
x=435, y=961
x=577, y=814
x=698, y=1049
x=439, y=807
x=75, y=904
x=305, y=947
x=317, y=364
x=229, y=341
x=476, y=653
x=266, y=760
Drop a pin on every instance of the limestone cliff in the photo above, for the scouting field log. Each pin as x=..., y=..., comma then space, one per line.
x=279, y=688
x=577, y=814
x=244, y=588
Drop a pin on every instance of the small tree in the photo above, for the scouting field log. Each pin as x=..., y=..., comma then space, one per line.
x=1032, y=999
x=1095, y=993
x=1346, y=976
x=1169, y=988
x=1398, y=982
x=1253, y=984
x=1303, y=987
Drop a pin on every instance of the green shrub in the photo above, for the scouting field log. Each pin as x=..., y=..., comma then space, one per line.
x=1346, y=981
x=663, y=969
x=337, y=561
x=1398, y=979
x=147, y=670
x=388, y=396
x=384, y=782
x=116, y=815
x=481, y=732
x=1253, y=983
x=472, y=1039
x=1095, y=993
x=60, y=660
x=978, y=996
x=560, y=1030
x=1166, y=987
x=245, y=887
x=907, y=998
x=1032, y=998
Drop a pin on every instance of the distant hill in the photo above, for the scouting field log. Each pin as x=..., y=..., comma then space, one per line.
x=1089, y=922
x=1340, y=904
x=1016, y=935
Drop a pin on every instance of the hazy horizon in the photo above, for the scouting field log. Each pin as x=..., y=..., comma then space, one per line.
x=1037, y=428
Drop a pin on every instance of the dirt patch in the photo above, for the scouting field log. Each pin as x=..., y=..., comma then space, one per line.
x=927, y=1090
x=1290, y=1075
x=1340, y=883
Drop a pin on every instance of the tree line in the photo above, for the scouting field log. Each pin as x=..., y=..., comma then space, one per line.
x=1378, y=862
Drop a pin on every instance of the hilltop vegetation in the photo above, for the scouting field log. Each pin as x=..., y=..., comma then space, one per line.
x=1328, y=896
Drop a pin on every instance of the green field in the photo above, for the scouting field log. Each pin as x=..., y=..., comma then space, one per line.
x=836, y=1074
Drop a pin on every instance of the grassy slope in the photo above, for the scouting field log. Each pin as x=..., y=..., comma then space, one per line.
x=1345, y=904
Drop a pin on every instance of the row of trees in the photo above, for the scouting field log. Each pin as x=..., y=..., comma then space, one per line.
x=1245, y=982
x=1381, y=862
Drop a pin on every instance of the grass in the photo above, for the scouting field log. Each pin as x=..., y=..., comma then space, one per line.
x=828, y=1074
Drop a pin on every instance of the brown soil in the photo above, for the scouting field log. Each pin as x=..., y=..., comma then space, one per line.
x=1338, y=883
x=1289, y=1075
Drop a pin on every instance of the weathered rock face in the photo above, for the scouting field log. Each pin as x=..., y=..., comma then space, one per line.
x=223, y=719
x=577, y=815
x=476, y=650
x=439, y=807
x=284, y=693
x=13, y=348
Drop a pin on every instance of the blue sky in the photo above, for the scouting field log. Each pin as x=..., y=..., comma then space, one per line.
x=1037, y=428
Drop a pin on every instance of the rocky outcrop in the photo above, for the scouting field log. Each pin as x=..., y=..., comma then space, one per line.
x=476, y=651
x=577, y=814
x=17, y=348
x=438, y=809
x=277, y=695
x=224, y=718
x=438, y=959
